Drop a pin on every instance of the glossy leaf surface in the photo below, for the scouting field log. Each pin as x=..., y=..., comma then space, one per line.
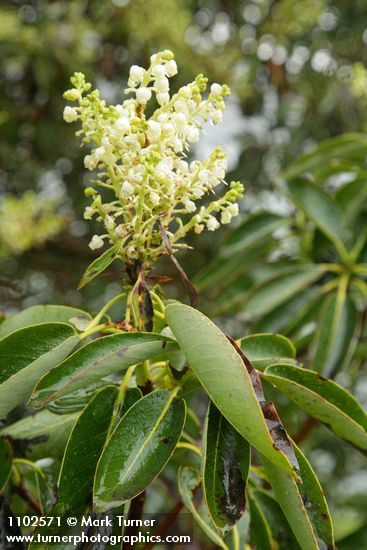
x=96, y=360
x=83, y=450
x=221, y=371
x=138, y=449
x=264, y=349
x=324, y=400
x=35, y=315
x=26, y=355
x=225, y=469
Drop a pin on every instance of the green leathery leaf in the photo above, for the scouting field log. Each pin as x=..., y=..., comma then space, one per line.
x=352, y=197
x=95, y=360
x=138, y=449
x=35, y=315
x=249, y=234
x=329, y=152
x=280, y=530
x=234, y=388
x=225, y=469
x=324, y=400
x=333, y=337
x=319, y=207
x=260, y=533
x=265, y=349
x=100, y=264
x=270, y=294
x=83, y=450
x=288, y=312
x=219, y=273
x=131, y=397
x=303, y=504
x=77, y=400
x=314, y=500
x=6, y=459
x=26, y=355
x=43, y=433
x=188, y=482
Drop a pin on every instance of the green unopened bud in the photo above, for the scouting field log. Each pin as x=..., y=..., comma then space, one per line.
x=89, y=192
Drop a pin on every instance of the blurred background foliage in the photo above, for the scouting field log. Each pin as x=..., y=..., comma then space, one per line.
x=297, y=72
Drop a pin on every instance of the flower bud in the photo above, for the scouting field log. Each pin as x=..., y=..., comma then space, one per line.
x=127, y=188
x=96, y=242
x=171, y=67
x=136, y=73
x=159, y=71
x=163, y=98
x=212, y=223
x=162, y=85
x=143, y=95
x=70, y=114
x=216, y=89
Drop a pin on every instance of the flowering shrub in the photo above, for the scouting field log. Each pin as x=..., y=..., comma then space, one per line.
x=140, y=157
x=127, y=390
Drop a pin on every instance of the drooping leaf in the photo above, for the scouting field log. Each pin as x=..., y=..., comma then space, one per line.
x=188, y=481
x=270, y=294
x=260, y=533
x=26, y=355
x=234, y=387
x=35, y=315
x=100, y=264
x=96, y=360
x=43, y=434
x=324, y=400
x=264, y=349
x=319, y=207
x=251, y=232
x=6, y=459
x=83, y=450
x=303, y=504
x=225, y=469
x=138, y=449
x=280, y=530
x=333, y=338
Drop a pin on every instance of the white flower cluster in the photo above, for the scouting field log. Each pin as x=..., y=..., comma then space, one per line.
x=142, y=160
